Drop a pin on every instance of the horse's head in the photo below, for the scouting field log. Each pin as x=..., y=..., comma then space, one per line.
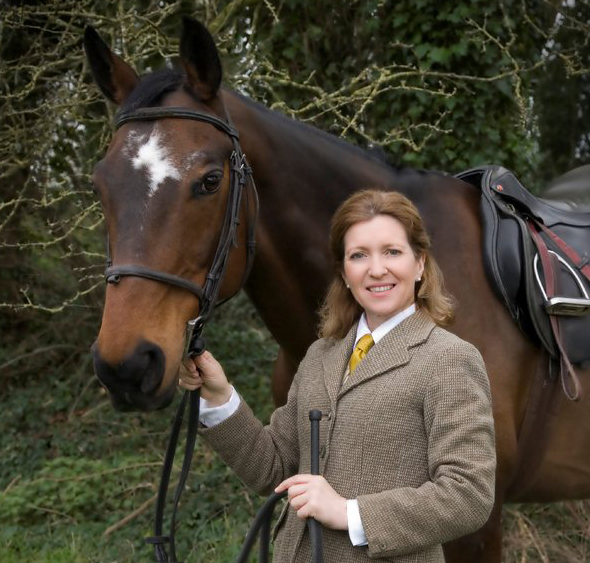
x=164, y=185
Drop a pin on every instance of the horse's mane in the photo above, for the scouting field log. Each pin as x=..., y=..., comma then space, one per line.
x=375, y=153
x=154, y=85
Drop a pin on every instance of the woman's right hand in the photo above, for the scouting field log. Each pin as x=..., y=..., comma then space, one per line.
x=206, y=373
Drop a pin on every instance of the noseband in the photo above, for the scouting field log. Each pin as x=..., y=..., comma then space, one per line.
x=240, y=178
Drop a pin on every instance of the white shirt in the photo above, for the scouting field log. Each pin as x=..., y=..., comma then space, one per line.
x=210, y=416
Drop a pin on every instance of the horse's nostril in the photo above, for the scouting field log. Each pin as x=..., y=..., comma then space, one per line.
x=141, y=371
x=154, y=370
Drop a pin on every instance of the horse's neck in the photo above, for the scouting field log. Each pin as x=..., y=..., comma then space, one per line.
x=293, y=160
x=302, y=175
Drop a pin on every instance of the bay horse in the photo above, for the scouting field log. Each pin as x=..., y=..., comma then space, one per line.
x=164, y=184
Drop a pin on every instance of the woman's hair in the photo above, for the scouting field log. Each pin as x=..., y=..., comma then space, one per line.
x=340, y=310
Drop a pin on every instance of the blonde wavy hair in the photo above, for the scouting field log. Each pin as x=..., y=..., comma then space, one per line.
x=340, y=310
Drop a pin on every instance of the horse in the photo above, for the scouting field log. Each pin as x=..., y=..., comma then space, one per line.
x=164, y=186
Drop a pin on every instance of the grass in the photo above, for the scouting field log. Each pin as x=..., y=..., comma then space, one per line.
x=78, y=480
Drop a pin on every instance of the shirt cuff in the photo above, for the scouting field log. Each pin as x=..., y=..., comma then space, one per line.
x=211, y=416
x=356, y=532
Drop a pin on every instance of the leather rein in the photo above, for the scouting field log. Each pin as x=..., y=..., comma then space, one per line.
x=240, y=179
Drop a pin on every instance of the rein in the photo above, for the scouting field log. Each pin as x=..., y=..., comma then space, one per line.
x=240, y=179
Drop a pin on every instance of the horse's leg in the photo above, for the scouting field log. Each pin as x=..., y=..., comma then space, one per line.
x=483, y=546
x=282, y=376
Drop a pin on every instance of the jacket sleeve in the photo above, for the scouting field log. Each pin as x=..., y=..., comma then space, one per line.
x=459, y=496
x=261, y=456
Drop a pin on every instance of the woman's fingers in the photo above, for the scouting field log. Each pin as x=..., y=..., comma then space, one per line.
x=190, y=383
x=294, y=480
x=295, y=491
x=188, y=375
x=312, y=496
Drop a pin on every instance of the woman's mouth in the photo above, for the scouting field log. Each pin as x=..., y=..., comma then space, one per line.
x=380, y=288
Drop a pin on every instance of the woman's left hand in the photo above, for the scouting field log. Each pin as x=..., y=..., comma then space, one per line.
x=313, y=497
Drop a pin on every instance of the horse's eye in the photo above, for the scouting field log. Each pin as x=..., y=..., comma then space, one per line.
x=209, y=184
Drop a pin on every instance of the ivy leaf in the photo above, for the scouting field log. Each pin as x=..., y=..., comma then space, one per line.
x=440, y=55
x=422, y=49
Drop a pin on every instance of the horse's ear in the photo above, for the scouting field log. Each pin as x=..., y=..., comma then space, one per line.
x=200, y=59
x=115, y=78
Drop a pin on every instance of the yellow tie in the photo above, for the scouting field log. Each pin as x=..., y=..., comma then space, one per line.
x=360, y=351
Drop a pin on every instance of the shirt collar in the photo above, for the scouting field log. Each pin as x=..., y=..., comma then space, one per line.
x=384, y=327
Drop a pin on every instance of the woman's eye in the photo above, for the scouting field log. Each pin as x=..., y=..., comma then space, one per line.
x=393, y=252
x=355, y=256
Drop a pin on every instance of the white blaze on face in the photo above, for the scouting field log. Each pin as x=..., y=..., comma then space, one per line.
x=153, y=157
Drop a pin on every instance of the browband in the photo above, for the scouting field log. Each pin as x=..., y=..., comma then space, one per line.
x=143, y=114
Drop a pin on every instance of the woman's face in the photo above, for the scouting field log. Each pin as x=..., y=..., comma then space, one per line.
x=380, y=267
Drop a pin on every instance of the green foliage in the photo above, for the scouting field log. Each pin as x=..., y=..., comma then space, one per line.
x=438, y=84
x=562, y=96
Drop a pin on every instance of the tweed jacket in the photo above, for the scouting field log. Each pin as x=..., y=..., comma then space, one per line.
x=409, y=434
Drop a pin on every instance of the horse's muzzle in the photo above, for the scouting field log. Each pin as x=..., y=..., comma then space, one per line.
x=133, y=383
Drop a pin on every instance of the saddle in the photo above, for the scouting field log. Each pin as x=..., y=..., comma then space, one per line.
x=537, y=258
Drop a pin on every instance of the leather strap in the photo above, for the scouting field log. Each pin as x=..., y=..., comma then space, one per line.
x=569, y=379
x=149, y=114
x=583, y=265
x=113, y=274
x=159, y=540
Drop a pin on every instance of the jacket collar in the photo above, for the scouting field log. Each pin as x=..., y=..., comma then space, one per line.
x=391, y=352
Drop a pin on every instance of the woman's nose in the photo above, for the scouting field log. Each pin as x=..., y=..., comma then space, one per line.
x=377, y=267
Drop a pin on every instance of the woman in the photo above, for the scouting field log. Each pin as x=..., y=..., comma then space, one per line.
x=407, y=443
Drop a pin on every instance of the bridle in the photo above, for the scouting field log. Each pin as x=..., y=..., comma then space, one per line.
x=240, y=179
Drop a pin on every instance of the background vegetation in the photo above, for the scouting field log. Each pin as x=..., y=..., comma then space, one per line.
x=432, y=83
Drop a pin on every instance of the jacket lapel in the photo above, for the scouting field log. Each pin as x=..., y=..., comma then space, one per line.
x=335, y=363
x=391, y=352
